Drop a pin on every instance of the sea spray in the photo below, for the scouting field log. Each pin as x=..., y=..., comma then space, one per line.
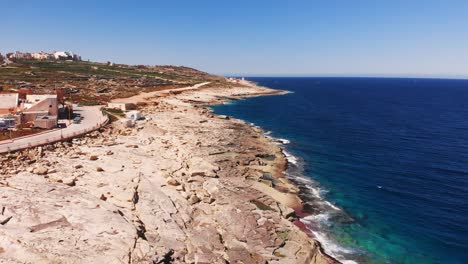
x=316, y=223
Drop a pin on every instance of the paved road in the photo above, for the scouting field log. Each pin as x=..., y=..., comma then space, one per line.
x=92, y=119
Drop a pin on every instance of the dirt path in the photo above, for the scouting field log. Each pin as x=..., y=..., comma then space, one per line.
x=144, y=97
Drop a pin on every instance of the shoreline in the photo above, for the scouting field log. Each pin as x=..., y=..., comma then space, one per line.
x=297, y=182
x=302, y=213
x=303, y=185
x=313, y=202
x=206, y=175
x=299, y=206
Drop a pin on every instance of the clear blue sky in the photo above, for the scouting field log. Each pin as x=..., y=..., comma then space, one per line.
x=348, y=38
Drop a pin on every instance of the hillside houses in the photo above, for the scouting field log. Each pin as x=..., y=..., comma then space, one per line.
x=19, y=56
x=56, y=55
x=64, y=55
x=32, y=110
x=42, y=56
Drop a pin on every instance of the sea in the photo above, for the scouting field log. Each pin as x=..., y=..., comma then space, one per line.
x=382, y=163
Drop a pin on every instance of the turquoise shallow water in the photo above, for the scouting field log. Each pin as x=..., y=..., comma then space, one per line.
x=382, y=163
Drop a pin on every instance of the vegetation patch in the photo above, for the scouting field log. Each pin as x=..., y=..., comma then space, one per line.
x=112, y=111
x=91, y=103
x=278, y=254
x=261, y=205
x=283, y=234
x=92, y=83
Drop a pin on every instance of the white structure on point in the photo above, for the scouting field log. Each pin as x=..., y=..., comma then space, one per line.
x=134, y=115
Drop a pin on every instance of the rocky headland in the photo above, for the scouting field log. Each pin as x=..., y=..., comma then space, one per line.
x=182, y=186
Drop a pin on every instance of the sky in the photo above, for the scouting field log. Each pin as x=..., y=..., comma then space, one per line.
x=251, y=38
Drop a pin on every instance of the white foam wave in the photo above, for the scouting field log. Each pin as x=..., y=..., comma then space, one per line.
x=291, y=159
x=348, y=261
x=332, y=248
x=315, y=191
x=319, y=218
x=332, y=206
x=277, y=141
x=283, y=141
x=305, y=181
x=254, y=125
x=298, y=179
x=329, y=245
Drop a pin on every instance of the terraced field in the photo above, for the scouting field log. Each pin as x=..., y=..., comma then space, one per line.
x=96, y=83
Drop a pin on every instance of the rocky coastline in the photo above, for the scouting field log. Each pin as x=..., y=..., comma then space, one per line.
x=182, y=186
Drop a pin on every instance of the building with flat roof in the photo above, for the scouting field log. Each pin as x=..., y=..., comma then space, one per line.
x=8, y=103
x=39, y=105
x=134, y=115
x=32, y=109
x=46, y=122
x=122, y=106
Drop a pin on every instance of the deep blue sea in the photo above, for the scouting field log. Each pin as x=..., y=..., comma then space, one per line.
x=382, y=162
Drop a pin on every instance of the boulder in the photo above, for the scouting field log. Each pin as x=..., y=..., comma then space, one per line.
x=40, y=170
x=194, y=199
x=71, y=181
x=172, y=181
x=196, y=179
x=201, y=167
x=211, y=186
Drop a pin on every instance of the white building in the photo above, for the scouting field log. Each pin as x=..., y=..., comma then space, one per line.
x=20, y=55
x=63, y=55
x=122, y=106
x=134, y=115
x=42, y=56
x=56, y=55
x=8, y=103
x=39, y=105
x=32, y=99
x=9, y=100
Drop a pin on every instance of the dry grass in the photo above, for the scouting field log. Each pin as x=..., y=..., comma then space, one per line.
x=97, y=83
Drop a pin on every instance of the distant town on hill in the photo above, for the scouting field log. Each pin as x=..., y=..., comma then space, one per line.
x=55, y=55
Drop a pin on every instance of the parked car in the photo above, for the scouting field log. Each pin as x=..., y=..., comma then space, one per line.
x=78, y=115
x=3, y=126
x=77, y=120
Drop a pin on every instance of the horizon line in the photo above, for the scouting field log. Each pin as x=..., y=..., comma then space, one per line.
x=447, y=77
x=304, y=75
